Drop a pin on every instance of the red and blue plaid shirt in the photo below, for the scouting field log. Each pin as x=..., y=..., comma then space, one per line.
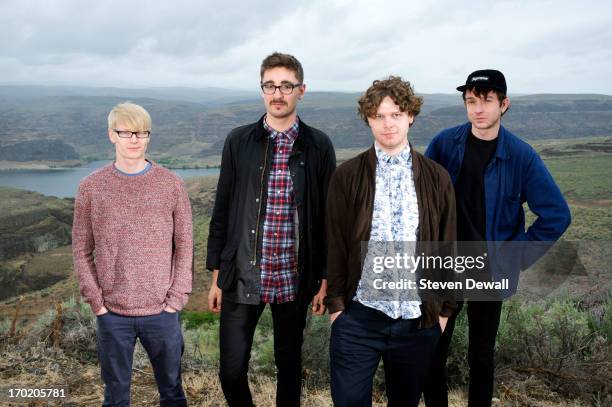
x=278, y=258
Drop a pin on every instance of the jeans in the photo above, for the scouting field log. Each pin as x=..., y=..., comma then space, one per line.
x=360, y=337
x=161, y=337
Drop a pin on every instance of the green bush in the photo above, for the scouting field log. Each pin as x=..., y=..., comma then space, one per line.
x=195, y=319
x=606, y=321
x=457, y=362
x=202, y=344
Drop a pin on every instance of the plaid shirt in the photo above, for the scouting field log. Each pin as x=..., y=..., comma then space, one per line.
x=278, y=258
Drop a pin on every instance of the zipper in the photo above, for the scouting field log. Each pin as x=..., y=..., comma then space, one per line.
x=261, y=186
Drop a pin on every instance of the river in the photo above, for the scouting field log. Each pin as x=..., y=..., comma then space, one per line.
x=63, y=182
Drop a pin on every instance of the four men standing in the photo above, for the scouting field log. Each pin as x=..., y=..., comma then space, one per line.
x=277, y=235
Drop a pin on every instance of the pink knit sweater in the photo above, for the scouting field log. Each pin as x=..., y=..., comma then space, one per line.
x=132, y=241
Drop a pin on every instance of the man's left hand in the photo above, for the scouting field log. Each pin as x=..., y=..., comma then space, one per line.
x=443, y=321
x=317, y=302
x=169, y=309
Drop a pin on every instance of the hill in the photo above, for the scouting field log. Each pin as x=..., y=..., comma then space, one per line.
x=190, y=125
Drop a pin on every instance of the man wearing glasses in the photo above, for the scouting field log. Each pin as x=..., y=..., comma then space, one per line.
x=136, y=217
x=266, y=242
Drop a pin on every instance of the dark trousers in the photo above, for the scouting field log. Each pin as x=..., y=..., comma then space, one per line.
x=161, y=337
x=483, y=322
x=360, y=337
x=237, y=327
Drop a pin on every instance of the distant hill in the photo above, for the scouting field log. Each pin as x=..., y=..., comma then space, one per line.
x=205, y=96
x=193, y=123
x=29, y=150
x=31, y=222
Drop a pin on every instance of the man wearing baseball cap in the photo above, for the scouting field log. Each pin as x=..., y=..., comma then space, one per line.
x=494, y=173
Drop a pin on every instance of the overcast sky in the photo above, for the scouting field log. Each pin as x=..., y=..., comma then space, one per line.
x=541, y=46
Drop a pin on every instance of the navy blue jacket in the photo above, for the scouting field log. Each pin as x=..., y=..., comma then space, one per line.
x=515, y=175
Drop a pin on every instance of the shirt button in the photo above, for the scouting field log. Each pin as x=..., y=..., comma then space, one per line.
x=256, y=199
x=278, y=212
x=252, y=230
x=248, y=295
x=261, y=168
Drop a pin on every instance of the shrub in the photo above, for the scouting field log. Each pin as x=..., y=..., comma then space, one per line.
x=202, y=345
x=195, y=319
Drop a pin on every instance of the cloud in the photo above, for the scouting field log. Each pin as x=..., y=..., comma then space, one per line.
x=541, y=46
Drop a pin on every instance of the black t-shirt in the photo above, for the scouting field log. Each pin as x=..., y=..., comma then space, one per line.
x=469, y=189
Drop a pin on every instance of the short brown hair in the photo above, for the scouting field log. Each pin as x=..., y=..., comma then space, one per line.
x=400, y=91
x=482, y=92
x=287, y=61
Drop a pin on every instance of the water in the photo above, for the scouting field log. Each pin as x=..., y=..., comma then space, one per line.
x=63, y=182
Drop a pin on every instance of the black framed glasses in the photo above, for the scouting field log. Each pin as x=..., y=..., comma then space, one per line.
x=286, y=88
x=129, y=134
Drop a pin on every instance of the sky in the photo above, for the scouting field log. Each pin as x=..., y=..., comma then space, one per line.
x=540, y=46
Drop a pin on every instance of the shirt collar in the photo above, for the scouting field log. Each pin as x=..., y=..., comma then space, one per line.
x=291, y=133
x=404, y=156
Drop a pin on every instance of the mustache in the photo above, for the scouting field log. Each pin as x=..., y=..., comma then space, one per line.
x=278, y=101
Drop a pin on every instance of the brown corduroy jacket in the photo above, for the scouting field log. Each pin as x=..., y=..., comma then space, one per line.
x=350, y=205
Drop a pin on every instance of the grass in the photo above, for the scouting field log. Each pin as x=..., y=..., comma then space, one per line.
x=585, y=176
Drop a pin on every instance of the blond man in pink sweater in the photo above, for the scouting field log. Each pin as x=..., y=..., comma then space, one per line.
x=133, y=255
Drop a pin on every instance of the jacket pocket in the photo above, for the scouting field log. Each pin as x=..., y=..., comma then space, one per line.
x=511, y=213
x=227, y=269
x=512, y=204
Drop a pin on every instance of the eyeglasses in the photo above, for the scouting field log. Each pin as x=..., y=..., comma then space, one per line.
x=129, y=134
x=285, y=88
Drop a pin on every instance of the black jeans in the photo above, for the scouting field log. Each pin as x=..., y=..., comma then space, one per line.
x=360, y=337
x=161, y=337
x=237, y=327
x=483, y=322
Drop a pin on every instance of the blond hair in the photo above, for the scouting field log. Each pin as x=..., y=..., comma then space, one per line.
x=131, y=115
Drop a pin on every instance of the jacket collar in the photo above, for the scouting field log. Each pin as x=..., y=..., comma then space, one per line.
x=501, y=151
x=304, y=138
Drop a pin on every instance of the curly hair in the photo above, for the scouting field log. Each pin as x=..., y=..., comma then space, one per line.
x=400, y=91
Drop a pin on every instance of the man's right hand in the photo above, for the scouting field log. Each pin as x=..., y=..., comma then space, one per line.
x=101, y=311
x=214, y=295
x=332, y=317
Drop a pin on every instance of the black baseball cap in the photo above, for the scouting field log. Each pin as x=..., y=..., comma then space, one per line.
x=489, y=78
